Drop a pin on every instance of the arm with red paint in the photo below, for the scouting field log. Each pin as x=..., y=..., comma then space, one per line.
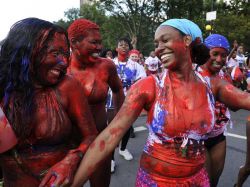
x=228, y=94
x=140, y=95
x=78, y=110
x=116, y=86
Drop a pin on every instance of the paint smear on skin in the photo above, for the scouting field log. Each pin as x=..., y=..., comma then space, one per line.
x=102, y=145
x=91, y=169
x=115, y=131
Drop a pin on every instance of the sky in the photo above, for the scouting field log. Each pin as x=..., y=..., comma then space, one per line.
x=12, y=11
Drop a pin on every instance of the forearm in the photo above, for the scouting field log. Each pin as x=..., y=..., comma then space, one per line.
x=104, y=144
x=74, y=156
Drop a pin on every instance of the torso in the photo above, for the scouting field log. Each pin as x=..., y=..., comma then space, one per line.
x=222, y=115
x=50, y=141
x=94, y=81
x=180, y=112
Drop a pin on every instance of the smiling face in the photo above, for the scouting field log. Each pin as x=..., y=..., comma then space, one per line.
x=89, y=47
x=170, y=47
x=134, y=57
x=54, y=62
x=217, y=59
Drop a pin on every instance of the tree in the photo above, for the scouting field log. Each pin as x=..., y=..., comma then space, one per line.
x=138, y=19
x=70, y=15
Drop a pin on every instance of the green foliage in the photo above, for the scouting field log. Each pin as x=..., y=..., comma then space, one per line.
x=70, y=15
x=140, y=18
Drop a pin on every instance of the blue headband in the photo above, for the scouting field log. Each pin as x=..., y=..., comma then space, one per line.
x=186, y=26
x=217, y=40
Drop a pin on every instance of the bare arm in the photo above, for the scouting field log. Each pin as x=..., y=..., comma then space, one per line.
x=228, y=94
x=138, y=97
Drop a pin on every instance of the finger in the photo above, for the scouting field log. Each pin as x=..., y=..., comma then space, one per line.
x=57, y=182
x=46, y=179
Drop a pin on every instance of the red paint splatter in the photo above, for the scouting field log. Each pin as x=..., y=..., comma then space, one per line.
x=102, y=145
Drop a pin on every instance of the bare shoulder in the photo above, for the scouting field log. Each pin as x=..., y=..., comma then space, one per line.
x=107, y=63
x=69, y=82
x=144, y=88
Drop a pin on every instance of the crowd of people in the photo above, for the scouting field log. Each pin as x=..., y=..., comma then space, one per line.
x=67, y=103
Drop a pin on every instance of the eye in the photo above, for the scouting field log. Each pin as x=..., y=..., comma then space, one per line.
x=55, y=53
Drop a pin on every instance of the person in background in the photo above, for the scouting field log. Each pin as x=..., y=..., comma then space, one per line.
x=134, y=58
x=129, y=72
x=107, y=53
x=96, y=75
x=181, y=113
x=141, y=59
x=152, y=64
x=37, y=99
x=231, y=59
x=216, y=142
x=240, y=57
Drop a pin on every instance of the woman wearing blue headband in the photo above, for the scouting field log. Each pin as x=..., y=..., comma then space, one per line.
x=180, y=107
x=216, y=143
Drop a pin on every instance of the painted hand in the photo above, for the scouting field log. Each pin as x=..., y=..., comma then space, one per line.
x=62, y=173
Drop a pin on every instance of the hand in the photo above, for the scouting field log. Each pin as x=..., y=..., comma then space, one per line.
x=235, y=44
x=62, y=173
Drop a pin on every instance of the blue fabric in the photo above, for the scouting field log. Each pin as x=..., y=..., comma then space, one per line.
x=217, y=40
x=186, y=26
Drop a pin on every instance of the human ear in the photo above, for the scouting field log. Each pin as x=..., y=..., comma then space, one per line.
x=187, y=40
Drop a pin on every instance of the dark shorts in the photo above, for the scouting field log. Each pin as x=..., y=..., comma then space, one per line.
x=210, y=142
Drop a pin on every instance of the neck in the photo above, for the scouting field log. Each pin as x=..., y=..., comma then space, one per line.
x=185, y=73
x=75, y=62
x=205, y=68
x=122, y=58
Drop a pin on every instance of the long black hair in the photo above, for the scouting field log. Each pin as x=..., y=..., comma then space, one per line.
x=21, y=52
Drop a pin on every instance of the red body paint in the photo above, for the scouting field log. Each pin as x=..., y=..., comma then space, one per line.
x=95, y=75
x=58, y=116
x=102, y=145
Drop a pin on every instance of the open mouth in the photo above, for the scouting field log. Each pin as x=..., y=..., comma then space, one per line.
x=95, y=55
x=58, y=73
x=166, y=56
x=216, y=65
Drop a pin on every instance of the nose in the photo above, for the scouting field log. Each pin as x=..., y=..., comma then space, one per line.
x=221, y=59
x=63, y=61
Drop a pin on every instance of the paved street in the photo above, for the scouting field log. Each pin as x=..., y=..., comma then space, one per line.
x=125, y=173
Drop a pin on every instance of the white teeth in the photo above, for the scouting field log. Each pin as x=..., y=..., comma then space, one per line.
x=55, y=72
x=165, y=56
x=95, y=55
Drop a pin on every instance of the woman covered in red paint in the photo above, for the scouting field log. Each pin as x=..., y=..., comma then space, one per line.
x=216, y=142
x=181, y=113
x=96, y=75
x=44, y=106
